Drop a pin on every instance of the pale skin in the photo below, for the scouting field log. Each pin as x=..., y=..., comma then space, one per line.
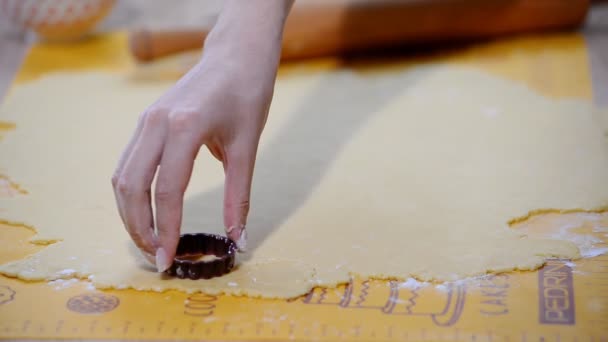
x=221, y=103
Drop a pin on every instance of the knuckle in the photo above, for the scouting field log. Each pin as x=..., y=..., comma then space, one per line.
x=240, y=206
x=182, y=121
x=163, y=194
x=244, y=205
x=154, y=116
x=114, y=180
x=124, y=187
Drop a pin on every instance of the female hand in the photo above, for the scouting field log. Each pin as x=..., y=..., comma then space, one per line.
x=221, y=103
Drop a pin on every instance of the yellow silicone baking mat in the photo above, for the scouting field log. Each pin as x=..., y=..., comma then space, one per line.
x=564, y=301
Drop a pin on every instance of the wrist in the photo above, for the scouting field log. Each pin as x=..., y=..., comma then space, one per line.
x=252, y=27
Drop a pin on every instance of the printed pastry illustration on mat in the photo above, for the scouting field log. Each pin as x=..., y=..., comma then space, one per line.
x=395, y=298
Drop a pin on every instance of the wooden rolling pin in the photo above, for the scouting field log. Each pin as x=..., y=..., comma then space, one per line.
x=323, y=28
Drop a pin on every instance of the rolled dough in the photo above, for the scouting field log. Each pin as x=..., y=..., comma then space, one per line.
x=415, y=172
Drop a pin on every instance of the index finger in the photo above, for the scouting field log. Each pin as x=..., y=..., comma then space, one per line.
x=134, y=182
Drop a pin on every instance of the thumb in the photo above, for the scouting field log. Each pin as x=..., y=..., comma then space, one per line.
x=239, y=165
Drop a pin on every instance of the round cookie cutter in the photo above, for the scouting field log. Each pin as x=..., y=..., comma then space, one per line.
x=189, y=261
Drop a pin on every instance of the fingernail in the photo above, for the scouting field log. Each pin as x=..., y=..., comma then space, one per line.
x=162, y=261
x=241, y=243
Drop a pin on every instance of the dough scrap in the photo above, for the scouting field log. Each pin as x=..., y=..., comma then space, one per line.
x=412, y=173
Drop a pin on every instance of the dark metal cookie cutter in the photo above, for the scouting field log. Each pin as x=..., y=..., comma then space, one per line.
x=194, y=246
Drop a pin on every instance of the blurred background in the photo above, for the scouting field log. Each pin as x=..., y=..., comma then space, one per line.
x=25, y=22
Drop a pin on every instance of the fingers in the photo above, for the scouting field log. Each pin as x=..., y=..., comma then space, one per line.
x=174, y=174
x=133, y=185
x=239, y=165
x=121, y=163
